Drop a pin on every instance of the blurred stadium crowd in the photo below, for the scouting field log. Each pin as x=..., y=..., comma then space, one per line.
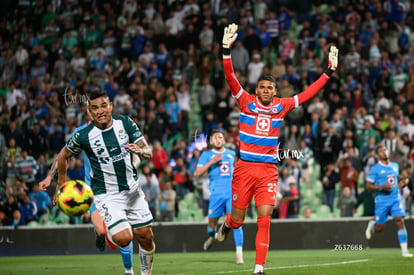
x=160, y=63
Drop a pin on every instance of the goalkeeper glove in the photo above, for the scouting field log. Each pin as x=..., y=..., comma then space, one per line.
x=333, y=60
x=229, y=36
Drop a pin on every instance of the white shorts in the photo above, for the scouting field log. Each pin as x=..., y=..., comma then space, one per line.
x=118, y=209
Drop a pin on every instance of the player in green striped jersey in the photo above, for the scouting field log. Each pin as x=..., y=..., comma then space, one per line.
x=110, y=141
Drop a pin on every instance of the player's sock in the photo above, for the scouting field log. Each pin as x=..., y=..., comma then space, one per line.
x=239, y=255
x=211, y=232
x=126, y=254
x=238, y=240
x=238, y=237
x=402, y=237
x=262, y=239
x=146, y=258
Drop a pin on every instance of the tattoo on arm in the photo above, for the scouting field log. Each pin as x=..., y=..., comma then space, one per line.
x=53, y=167
x=146, y=150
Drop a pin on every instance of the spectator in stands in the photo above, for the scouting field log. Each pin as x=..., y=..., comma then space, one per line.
x=307, y=212
x=172, y=108
x=9, y=211
x=167, y=175
x=346, y=203
x=294, y=200
x=241, y=57
x=305, y=162
x=76, y=170
x=329, y=179
x=151, y=189
x=28, y=211
x=41, y=199
x=183, y=181
x=159, y=158
x=166, y=203
x=348, y=175
x=26, y=167
x=206, y=94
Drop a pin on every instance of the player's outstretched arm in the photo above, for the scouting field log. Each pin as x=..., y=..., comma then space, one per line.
x=62, y=167
x=229, y=37
x=52, y=172
x=314, y=88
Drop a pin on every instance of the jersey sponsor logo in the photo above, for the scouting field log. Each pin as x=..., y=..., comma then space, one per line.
x=122, y=134
x=224, y=169
x=263, y=124
x=120, y=156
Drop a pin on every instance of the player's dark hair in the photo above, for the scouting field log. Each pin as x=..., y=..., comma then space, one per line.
x=267, y=77
x=96, y=94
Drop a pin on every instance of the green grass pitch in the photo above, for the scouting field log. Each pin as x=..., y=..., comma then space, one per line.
x=366, y=261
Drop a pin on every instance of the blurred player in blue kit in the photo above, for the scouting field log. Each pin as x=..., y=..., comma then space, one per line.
x=218, y=162
x=383, y=178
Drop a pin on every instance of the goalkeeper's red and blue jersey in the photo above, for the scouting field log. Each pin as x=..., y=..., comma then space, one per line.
x=260, y=125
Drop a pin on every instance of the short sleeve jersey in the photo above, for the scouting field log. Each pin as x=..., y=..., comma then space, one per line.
x=112, y=169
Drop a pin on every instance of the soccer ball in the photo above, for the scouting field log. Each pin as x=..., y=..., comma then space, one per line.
x=74, y=198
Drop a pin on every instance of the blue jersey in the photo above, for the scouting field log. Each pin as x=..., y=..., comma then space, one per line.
x=220, y=174
x=86, y=163
x=381, y=174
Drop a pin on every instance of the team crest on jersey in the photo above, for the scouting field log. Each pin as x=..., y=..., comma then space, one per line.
x=263, y=124
x=276, y=109
x=391, y=180
x=224, y=168
x=235, y=197
x=122, y=134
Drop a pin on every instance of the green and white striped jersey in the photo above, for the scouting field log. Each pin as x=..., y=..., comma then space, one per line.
x=111, y=164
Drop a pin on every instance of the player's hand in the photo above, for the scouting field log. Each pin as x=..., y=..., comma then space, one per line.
x=387, y=187
x=134, y=148
x=45, y=183
x=54, y=201
x=217, y=158
x=230, y=35
x=333, y=58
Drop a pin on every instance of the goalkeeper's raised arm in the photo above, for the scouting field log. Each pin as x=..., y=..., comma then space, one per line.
x=229, y=37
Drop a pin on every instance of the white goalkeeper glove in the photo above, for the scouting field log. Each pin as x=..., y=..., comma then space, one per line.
x=229, y=36
x=333, y=58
